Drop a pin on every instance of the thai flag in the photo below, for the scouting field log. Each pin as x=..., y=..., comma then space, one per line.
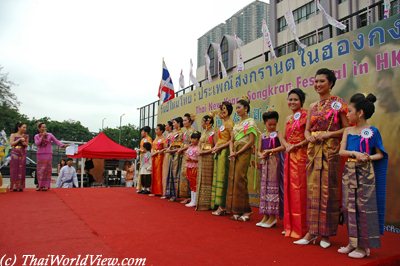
x=166, y=90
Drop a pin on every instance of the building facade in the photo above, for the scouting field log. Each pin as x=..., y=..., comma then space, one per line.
x=310, y=23
x=246, y=24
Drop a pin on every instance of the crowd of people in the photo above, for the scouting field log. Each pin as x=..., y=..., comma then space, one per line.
x=328, y=166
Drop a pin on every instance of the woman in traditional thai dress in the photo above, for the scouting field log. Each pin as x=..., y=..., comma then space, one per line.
x=44, y=155
x=19, y=143
x=221, y=161
x=271, y=156
x=175, y=161
x=295, y=178
x=184, y=189
x=326, y=121
x=168, y=134
x=206, y=164
x=366, y=164
x=241, y=146
x=157, y=161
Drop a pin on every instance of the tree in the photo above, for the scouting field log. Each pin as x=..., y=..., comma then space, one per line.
x=9, y=105
x=67, y=130
x=9, y=118
x=70, y=130
x=130, y=135
x=6, y=96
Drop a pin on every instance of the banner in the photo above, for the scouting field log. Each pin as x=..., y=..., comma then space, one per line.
x=292, y=27
x=330, y=19
x=239, y=58
x=208, y=62
x=223, y=70
x=182, y=80
x=267, y=39
x=366, y=60
x=386, y=9
x=191, y=76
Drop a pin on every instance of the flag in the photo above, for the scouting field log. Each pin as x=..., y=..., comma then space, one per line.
x=208, y=62
x=223, y=70
x=267, y=39
x=386, y=9
x=182, y=80
x=292, y=27
x=330, y=19
x=239, y=57
x=191, y=76
x=166, y=90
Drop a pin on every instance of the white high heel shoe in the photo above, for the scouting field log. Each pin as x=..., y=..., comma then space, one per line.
x=359, y=254
x=305, y=241
x=259, y=224
x=346, y=250
x=269, y=225
x=324, y=244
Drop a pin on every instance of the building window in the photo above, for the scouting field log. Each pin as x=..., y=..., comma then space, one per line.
x=362, y=20
x=304, y=12
x=211, y=54
x=291, y=47
x=347, y=29
x=300, y=14
x=282, y=24
x=311, y=39
x=281, y=51
x=394, y=9
x=340, y=1
x=225, y=52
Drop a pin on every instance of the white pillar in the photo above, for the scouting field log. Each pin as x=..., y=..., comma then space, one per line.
x=82, y=170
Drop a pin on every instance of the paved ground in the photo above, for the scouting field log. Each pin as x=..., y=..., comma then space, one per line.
x=29, y=182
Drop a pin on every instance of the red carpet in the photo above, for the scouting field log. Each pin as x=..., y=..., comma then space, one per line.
x=116, y=222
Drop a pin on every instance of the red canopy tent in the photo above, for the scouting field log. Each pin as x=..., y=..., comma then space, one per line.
x=102, y=147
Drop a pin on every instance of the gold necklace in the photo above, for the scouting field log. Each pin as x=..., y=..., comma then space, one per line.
x=322, y=105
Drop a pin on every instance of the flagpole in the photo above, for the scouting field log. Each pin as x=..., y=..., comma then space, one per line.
x=287, y=34
x=316, y=30
x=368, y=15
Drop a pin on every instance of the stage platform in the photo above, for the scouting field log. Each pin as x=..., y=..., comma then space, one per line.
x=117, y=222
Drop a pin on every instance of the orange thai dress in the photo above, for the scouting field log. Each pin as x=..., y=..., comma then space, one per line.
x=295, y=178
x=159, y=143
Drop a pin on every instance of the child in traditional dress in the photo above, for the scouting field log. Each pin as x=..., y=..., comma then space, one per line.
x=145, y=133
x=271, y=156
x=364, y=179
x=145, y=169
x=192, y=154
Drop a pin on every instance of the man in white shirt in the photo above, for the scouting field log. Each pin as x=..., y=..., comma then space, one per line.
x=67, y=177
